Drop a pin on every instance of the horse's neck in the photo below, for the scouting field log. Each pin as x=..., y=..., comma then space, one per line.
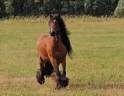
x=54, y=33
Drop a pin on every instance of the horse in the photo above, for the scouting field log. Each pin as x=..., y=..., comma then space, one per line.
x=53, y=49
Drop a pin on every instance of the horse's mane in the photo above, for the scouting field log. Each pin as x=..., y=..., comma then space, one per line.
x=64, y=35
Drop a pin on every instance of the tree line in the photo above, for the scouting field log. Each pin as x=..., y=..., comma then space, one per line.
x=45, y=7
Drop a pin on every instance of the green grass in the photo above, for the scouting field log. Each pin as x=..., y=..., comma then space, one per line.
x=96, y=69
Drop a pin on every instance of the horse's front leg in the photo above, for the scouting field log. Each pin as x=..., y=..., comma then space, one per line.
x=55, y=66
x=56, y=72
x=64, y=67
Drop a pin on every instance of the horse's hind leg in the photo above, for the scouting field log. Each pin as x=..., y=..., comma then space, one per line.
x=40, y=73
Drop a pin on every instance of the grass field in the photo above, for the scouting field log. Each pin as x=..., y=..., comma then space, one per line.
x=96, y=68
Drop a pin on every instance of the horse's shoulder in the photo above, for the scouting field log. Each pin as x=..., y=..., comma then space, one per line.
x=48, y=39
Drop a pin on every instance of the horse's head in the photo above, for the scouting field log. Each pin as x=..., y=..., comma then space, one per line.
x=54, y=23
x=58, y=27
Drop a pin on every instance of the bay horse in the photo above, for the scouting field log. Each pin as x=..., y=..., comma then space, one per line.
x=52, y=50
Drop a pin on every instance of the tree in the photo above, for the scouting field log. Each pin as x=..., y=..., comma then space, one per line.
x=120, y=8
x=18, y=7
x=100, y=7
x=2, y=9
x=74, y=7
x=8, y=7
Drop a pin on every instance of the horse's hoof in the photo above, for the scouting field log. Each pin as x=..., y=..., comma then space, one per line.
x=40, y=78
x=64, y=81
x=41, y=82
x=58, y=86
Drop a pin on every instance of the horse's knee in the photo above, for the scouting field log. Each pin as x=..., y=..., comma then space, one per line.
x=40, y=77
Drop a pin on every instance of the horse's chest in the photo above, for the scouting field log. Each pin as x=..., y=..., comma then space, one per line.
x=59, y=50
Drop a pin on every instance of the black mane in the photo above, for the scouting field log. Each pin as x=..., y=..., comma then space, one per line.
x=64, y=34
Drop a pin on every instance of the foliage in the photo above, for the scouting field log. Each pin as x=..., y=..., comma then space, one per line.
x=120, y=9
x=100, y=7
x=2, y=9
x=38, y=7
